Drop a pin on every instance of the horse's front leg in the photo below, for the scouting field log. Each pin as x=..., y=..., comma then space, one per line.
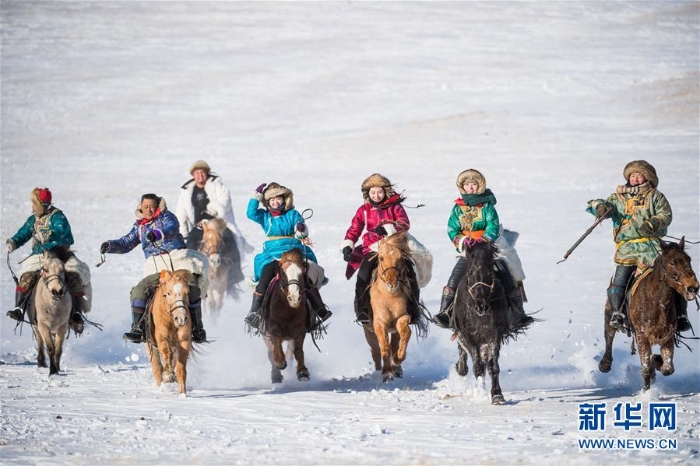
x=404, y=332
x=382, y=334
x=645, y=354
x=371, y=338
x=58, y=339
x=494, y=371
x=166, y=353
x=278, y=357
x=395, y=343
x=156, y=366
x=41, y=356
x=302, y=371
x=50, y=348
x=182, y=354
x=664, y=363
x=609, y=332
x=461, y=366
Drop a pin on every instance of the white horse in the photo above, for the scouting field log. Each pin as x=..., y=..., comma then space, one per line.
x=52, y=304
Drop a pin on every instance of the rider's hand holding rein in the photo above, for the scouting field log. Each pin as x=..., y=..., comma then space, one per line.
x=10, y=246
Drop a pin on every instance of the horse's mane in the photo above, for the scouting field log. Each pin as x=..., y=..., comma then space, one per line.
x=61, y=253
x=400, y=242
x=294, y=255
x=218, y=224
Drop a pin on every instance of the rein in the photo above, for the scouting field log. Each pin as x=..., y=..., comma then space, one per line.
x=490, y=287
x=179, y=304
x=14, y=277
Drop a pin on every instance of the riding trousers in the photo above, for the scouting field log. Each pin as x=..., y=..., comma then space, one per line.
x=616, y=290
x=142, y=292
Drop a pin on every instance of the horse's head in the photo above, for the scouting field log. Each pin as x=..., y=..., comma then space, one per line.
x=292, y=276
x=53, y=274
x=175, y=287
x=391, y=266
x=480, y=276
x=677, y=271
x=212, y=241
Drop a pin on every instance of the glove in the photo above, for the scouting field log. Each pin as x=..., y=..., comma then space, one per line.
x=211, y=211
x=347, y=252
x=104, y=247
x=380, y=230
x=649, y=227
x=601, y=209
x=260, y=188
x=301, y=228
x=10, y=245
x=153, y=235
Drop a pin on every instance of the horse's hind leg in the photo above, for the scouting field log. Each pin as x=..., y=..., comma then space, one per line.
x=373, y=347
x=494, y=371
x=606, y=363
x=302, y=370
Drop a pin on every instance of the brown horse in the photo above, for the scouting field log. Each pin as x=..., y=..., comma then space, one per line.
x=51, y=302
x=213, y=247
x=288, y=317
x=652, y=312
x=388, y=332
x=170, y=339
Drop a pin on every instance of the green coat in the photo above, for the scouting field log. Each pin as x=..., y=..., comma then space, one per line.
x=629, y=212
x=50, y=230
x=464, y=218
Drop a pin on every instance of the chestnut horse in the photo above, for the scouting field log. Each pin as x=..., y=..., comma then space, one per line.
x=388, y=331
x=51, y=302
x=170, y=339
x=214, y=248
x=652, y=312
x=287, y=318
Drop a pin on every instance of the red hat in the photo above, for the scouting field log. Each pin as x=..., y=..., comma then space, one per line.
x=45, y=195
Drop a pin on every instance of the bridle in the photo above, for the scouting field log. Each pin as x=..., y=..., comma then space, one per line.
x=474, y=285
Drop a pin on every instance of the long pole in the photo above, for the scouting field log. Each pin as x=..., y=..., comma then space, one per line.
x=588, y=232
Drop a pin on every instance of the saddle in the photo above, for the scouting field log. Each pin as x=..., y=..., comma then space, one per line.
x=314, y=322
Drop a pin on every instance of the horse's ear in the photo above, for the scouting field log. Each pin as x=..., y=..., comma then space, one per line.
x=164, y=275
x=664, y=245
x=205, y=225
x=682, y=243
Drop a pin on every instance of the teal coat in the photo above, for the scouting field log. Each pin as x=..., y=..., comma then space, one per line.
x=464, y=219
x=50, y=230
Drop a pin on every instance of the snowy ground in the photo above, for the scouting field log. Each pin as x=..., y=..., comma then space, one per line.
x=104, y=101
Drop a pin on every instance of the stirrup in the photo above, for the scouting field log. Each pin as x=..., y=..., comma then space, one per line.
x=617, y=321
x=253, y=319
x=362, y=317
x=683, y=324
x=133, y=337
x=16, y=314
x=77, y=323
x=441, y=319
x=199, y=336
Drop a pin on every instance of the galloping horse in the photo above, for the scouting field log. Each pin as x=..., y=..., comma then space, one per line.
x=219, y=267
x=481, y=318
x=170, y=327
x=388, y=332
x=652, y=311
x=288, y=317
x=52, y=303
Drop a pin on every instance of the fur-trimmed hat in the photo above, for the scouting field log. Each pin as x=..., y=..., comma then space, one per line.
x=471, y=175
x=200, y=165
x=41, y=198
x=377, y=181
x=643, y=167
x=274, y=190
x=160, y=202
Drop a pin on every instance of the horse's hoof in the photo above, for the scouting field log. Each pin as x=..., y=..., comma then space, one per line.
x=657, y=361
x=41, y=364
x=498, y=400
x=461, y=367
x=388, y=377
x=398, y=372
x=168, y=377
x=277, y=378
x=604, y=366
x=282, y=366
x=303, y=376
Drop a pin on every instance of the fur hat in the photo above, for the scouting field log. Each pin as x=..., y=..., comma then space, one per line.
x=643, y=167
x=200, y=165
x=274, y=190
x=377, y=181
x=41, y=199
x=471, y=175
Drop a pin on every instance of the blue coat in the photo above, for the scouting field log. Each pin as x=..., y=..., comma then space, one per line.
x=52, y=228
x=163, y=224
x=282, y=234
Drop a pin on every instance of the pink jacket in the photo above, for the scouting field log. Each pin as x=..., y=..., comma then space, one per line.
x=391, y=215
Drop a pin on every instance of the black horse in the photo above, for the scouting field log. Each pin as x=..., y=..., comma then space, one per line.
x=481, y=315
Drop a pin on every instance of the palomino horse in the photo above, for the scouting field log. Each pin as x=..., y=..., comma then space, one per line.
x=214, y=248
x=652, y=312
x=288, y=317
x=481, y=318
x=170, y=339
x=52, y=303
x=388, y=332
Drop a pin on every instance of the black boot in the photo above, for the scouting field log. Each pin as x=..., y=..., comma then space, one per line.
x=76, y=321
x=615, y=297
x=682, y=324
x=20, y=301
x=199, y=335
x=518, y=319
x=316, y=303
x=443, y=318
x=254, y=317
x=362, y=308
x=414, y=306
x=138, y=325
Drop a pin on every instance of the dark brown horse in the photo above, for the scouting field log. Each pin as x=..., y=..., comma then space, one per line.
x=652, y=312
x=287, y=318
x=481, y=318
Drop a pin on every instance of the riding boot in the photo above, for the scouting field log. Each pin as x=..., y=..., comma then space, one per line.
x=21, y=296
x=444, y=317
x=521, y=287
x=615, y=297
x=75, y=286
x=254, y=317
x=518, y=319
x=682, y=324
x=316, y=303
x=199, y=335
x=414, y=306
x=361, y=302
x=138, y=325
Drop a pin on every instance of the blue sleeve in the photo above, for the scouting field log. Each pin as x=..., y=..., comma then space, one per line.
x=255, y=214
x=170, y=226
x=126, y=243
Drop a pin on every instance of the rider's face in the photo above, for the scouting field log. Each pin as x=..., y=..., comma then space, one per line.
x=200, y=177
x=276, y=202
x=148, y=208
x=376, y=194
x=636, y=179
x=470, y=187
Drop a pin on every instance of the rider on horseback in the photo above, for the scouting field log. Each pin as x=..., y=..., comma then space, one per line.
x=284, y=229
x=474, y=219
x=641, y=215
x=381, y=215
x=49, y=228
x=205, y=197
x=157, y=231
